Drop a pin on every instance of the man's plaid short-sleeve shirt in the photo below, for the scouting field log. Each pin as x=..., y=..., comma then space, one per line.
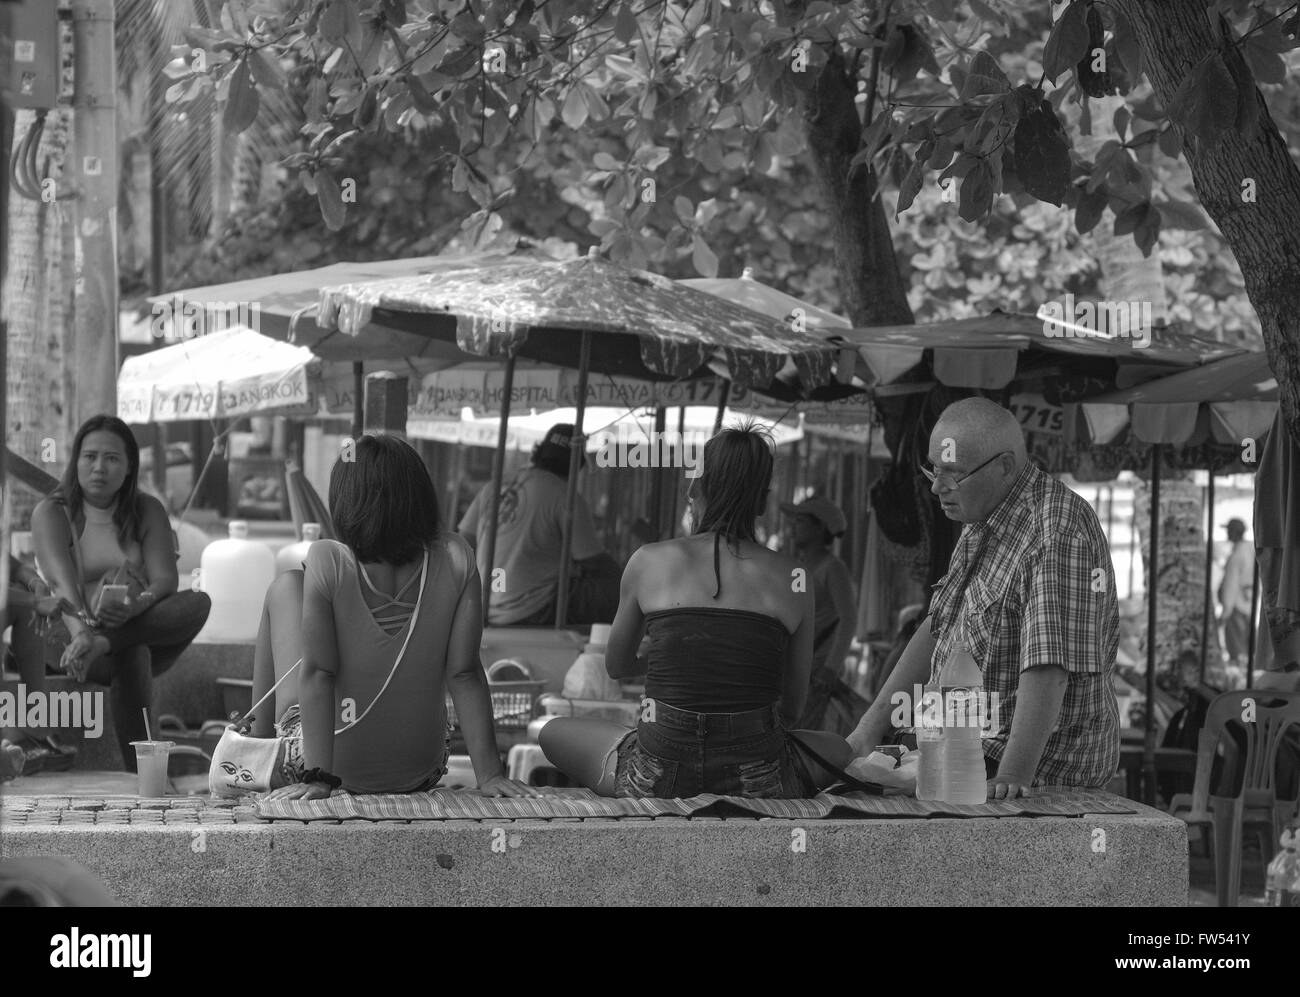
x=1035, y=586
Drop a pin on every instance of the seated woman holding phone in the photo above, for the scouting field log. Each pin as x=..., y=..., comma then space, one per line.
x=107, y=549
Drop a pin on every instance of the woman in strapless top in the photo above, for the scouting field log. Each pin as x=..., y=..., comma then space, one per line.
x=730, y=627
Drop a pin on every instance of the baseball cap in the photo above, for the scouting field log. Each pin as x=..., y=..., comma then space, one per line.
x=821, y=509
x=556, y=443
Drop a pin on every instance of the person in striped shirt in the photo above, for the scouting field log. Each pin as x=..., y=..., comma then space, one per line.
x=1031, y=578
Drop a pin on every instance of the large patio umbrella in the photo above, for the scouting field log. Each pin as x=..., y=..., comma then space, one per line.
x=282, y=306
x=592, y=315
x=1226, y=401
x=225, y=375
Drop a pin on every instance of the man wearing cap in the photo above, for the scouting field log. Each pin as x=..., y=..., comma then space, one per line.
x=530, y=529
x=1235, y=592
x=831, y=704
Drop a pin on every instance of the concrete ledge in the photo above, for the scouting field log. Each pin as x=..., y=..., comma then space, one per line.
x=1112, y=861
x=189, y=688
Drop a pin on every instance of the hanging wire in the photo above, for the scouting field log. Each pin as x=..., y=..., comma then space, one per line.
x=24, y=168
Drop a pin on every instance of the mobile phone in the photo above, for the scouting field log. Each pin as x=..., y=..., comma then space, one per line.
x=112, y=595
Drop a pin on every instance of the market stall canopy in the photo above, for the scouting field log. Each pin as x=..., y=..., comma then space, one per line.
x=227, y=374
x=479, y=386
x=1231, y=399
x=991, y=352
x=269, y=305
x=612, y=426
x=767, y=300
x=647, y=326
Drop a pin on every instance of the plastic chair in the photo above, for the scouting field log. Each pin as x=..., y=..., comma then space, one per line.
x=1255, y=802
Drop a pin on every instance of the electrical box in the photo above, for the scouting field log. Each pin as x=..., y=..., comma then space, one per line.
x=29, y=53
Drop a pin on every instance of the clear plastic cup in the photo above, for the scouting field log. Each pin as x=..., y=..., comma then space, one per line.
x=151, y=766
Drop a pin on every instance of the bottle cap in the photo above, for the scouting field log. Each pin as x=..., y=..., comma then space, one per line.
x=239, y=529
x=310, y=532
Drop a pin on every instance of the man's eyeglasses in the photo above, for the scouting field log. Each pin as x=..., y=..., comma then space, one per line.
x=947, y=481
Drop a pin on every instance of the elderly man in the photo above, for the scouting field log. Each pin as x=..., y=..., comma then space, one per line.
x=1031, y=578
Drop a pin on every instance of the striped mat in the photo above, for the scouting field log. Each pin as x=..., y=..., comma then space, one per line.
x=448, y=804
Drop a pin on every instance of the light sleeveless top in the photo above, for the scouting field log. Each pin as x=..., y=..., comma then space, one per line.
x=101, y=551
x=400, y=742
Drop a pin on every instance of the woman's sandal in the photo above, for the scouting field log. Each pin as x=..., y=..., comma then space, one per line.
x=12, y=761
x=45, y=754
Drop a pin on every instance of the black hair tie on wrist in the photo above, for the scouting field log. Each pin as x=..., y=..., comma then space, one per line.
x=320, y=775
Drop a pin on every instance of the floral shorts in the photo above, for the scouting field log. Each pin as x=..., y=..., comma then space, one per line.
x=290, y=728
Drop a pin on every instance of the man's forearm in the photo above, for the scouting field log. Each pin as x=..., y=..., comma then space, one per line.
x=913, y=668
x=1038, y=704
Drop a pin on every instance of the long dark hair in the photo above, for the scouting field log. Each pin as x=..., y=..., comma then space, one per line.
x=734, y=481
x=126, y=511
x=382, y=501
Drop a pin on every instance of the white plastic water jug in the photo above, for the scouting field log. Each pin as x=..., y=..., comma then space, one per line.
x=236, y=574
x=292, y=556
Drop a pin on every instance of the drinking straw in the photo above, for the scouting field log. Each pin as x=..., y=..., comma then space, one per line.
x=147, y=735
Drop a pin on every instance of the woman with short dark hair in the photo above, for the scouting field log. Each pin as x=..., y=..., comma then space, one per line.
x=369, y=722
x=731, y=627
x=97, y=529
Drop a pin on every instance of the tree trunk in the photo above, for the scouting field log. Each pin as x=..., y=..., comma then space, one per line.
x=1174, y=35
x=38, y=311
x=872, y=288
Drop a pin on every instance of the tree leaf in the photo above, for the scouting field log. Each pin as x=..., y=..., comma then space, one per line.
x=909, y=188
x=1267, y=65
x=330, y=197
x=1094, y=82
x=976, y=197
x=574, y=111
x=1147, y=231
x=242, y=102
x=1126, y=46
x=333, y=26
x=625, y=24
x=1181, y=215
x=684, y=210
x=1068, y=41
x=604, y=161
x=1129, y=219
x=703, y=258
x=984, y=76
x=266, y=69
x=1206, y=100
x=1170, y=143
x=1089, y=210
x=1042, y=156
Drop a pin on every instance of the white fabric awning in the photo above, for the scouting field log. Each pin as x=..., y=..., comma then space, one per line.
x=223, y=375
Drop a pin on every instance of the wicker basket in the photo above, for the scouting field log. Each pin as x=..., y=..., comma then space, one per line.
x=512, y=704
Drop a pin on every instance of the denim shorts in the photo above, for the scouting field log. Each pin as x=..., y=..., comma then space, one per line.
x=676, y=753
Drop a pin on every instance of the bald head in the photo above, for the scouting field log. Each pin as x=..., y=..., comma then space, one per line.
x=978, y=429
x=977, y=452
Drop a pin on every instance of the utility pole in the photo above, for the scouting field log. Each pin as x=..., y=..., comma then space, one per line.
x=95, y=346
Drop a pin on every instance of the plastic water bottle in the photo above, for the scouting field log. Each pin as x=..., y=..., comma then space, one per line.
x=292, y=556
x=929, y=741
x=235, y=573
x=962, y=683
x=1282, y=887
